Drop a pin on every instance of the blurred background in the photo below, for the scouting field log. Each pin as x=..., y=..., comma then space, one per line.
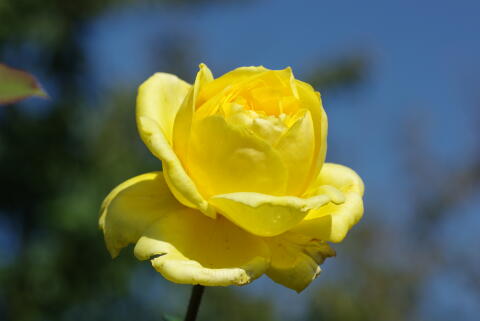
x=400, y=84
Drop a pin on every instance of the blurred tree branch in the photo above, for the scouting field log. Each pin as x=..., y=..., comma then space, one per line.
x=341, y=74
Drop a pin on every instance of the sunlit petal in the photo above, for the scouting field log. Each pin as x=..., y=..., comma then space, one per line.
x=267, y=215
x=311, y=100
x=132, y=207
x=224, y=158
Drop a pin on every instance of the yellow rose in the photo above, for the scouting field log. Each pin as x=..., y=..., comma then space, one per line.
x=244, y=189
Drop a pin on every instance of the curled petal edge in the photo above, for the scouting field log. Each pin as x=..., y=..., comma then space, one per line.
x=180, y=270
x=296, y=259
x=189, y=248
x=131, y=207
x=178, y=180
x=267, y=215
x=333, y=221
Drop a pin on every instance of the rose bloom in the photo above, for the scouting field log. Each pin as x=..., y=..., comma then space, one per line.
x=244, y=188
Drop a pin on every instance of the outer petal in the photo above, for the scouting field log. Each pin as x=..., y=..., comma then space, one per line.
x=333, y=221
x=177, y=179
x=267, y=215
x=295, y=259
x=224, y=158
x=131, y=207
x=186, y=247
x=158, y=101
x=312, y=101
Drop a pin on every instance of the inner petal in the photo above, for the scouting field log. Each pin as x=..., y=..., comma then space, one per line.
x=227, y=158
x=269, y=128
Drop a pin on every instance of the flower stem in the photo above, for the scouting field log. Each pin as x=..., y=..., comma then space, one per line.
x=194, y=304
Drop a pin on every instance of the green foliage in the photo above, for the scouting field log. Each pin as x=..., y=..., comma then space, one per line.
x=16, y=85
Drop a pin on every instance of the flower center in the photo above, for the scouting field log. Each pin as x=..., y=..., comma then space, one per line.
x=268, y=127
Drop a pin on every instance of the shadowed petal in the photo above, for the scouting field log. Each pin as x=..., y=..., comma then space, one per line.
x=132, y=207
x=295, y=259
x=186, y=247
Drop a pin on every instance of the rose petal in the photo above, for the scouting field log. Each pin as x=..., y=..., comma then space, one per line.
x=158, y=101
x=132, y=207
x=236, y=76
x=333, y=221
x=311, y=100
x=186, y=247
x=184, y=118
x=159, y=98
x=181, y=185
x=296, y=147
x=267, y=215
x=295, y=259
x=224, y=158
